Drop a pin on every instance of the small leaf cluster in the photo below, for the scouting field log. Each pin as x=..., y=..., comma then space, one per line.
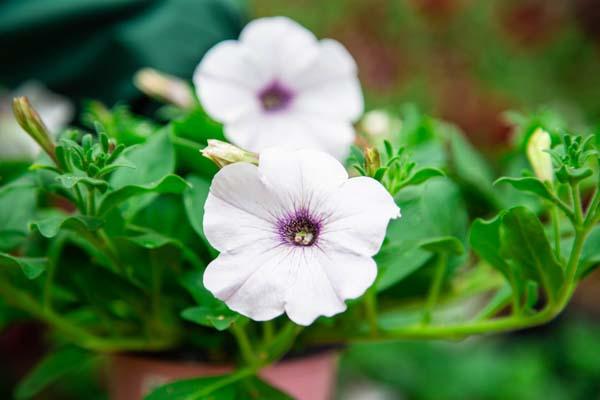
x=395, y=170
x=571, y=158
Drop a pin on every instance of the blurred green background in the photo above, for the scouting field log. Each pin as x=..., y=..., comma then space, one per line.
x=467, y=61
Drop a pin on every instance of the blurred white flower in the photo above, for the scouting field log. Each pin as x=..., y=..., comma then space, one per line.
x=56, y=111
x=380, y=124
x=295, y=235
x=279, y=86
x=540, y=160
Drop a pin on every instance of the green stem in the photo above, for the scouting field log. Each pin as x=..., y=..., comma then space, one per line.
x=592, y=211
x=210, y=389
x=268, y=331
x=556, y=230
x=436, y=285
x=576, y=199
x=91, y=204
x=244, y=343
x=371, y=309
x=80, y=203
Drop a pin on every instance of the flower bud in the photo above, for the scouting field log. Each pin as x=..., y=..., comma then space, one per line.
x=372, y=161
x=32, y=123
x=164, y=87
x=537, y=152
x=222, y=153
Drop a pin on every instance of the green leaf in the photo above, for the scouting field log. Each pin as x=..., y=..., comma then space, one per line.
x=50, y=227
x=528, y=184
x=31, y=267
x=485, y=241
x=152, y=160
x=423, y=175
x=445, y=244
x=50, y=369
x=523, y=241
x=590, y=254
x=17, y=206
x=221, y=387
x=220, y=318
x=69, y=181
x=194, y=199
x=168, y=184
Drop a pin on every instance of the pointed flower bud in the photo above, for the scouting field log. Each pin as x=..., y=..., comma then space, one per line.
x=222, y=153
x=537, y=152
x=164, y=87
x=32, y=123
x=372, y=161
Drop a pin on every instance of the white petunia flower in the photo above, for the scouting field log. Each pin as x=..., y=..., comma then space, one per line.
x=279, y=86
x=56, y=111
x=295, y=235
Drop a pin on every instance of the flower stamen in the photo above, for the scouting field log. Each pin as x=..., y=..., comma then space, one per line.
x=299, y=229
x=275, y=97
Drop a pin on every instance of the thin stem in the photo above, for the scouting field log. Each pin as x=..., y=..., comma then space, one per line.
x=556, y=230
x=53, y=255
x=436, y=285
x=156, y=274
x=79, y=196
x=268, y=331
x=576, y=199
x=91, y=204
x=244, y=343
x=371, y=309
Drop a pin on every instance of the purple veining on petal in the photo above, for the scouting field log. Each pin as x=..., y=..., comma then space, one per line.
x=275, y=97
x=299, y=228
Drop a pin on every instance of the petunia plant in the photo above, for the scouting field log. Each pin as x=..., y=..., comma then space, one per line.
x=132, y=235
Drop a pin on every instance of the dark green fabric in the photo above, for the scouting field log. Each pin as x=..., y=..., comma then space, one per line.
x=92, y=48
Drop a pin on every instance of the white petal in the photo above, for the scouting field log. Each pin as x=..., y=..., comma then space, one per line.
x=333, y=135
x=240, y=209
x=312, y=293
x=360, y=212
x=227, y=82
x=302, y=178
x=282, y=45
x=330, y=84
x=350, y=274
x=251, y=281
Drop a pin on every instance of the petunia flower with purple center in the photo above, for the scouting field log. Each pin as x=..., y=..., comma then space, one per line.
x=295, y=235
x=280, y=86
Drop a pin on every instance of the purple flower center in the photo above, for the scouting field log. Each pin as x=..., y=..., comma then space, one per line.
x=299, y=228
x=275, y=97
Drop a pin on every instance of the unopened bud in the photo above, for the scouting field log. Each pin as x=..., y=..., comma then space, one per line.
x=537, y=152
x=372, y=161
x=164, y=87
x=222, y=153
x=32, y=123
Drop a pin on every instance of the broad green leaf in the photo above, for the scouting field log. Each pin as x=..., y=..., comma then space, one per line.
x=194, y=199
x=470, y=168
x=31, y=267
x=50, y=227
x=446, y=244
x=528, y=184
x=152, y=160
x=434, y=209
x=485, y=241
x=218, y=317
x=221, y=387
x=69, y=181
x=168, y=184
x=523, y=241
x=50, y=369
x=17, y=207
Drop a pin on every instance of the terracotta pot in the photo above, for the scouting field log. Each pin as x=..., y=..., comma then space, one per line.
x=307, y=378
